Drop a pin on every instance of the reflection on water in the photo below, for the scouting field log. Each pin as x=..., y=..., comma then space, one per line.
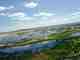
x=32, y=47
x=76, y=34
x=7, y=38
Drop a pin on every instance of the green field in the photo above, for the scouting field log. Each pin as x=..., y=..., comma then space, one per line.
x=65, y=51
x=69, y=50
x=58, y=36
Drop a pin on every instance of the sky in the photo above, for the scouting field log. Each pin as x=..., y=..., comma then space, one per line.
x=24, y=14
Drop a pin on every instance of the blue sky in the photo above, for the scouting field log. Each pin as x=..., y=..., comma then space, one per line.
x=24, y=14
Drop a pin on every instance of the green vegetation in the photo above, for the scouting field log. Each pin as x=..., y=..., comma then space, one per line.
x=27, y=55
x=66, y=51
x=57, y=36
x=69, y=50
x=21, y=33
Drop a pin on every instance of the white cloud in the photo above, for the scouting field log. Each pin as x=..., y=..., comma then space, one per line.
x=17, y=14
x=2, y=8
x=41, y=19
x=73, y=16
x=10, y=7
x=76, y=13
x=44, y=14
x=26, y=18
x=5, y=8
x=31, y=5
x=25, y=24
x=2, y=14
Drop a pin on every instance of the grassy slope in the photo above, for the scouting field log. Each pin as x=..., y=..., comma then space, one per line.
x=58, y=36
x=67, y=50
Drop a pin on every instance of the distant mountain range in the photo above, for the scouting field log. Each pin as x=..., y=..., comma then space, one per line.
x=42, y=27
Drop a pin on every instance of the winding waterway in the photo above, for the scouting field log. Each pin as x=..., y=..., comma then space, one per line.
x=34, y=47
